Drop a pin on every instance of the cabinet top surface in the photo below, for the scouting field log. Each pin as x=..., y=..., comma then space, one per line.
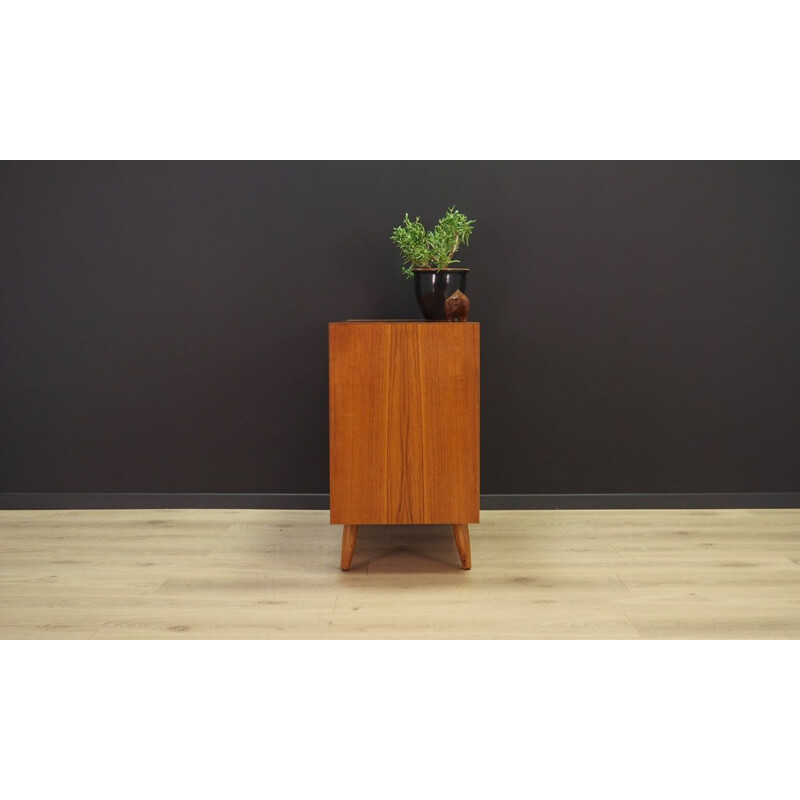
x=399, y=321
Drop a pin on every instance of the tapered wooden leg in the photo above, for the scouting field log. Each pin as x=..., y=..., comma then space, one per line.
x=349, y=536
x=461, y=533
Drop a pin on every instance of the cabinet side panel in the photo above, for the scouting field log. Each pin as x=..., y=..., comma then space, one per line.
x=358, y=408
x=404, y=423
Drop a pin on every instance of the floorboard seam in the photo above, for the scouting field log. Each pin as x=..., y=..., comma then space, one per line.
x=333, y=610
x=632, y=624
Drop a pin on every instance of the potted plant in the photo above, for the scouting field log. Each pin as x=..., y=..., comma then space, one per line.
x=428, y=257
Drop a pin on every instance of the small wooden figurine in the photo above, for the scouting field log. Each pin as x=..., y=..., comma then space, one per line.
x=456, y=307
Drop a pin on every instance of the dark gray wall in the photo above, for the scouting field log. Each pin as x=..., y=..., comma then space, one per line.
x=163, y=325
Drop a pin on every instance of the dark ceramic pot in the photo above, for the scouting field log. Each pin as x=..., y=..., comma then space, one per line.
x=433, y=288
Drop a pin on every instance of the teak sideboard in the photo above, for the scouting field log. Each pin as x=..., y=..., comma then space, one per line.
x=404, y=404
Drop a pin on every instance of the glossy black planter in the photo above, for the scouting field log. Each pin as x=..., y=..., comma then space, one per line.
x=433, y=288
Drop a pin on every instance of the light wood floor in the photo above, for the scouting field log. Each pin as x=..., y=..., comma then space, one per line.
x=275, y=574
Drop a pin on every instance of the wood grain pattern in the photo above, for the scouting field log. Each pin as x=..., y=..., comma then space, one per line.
x=257, y=574
x=404, y=422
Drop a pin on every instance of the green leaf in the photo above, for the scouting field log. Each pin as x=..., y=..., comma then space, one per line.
x=421, y=248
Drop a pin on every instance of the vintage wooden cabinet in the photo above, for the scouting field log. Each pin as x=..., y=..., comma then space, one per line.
x=404, y=403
